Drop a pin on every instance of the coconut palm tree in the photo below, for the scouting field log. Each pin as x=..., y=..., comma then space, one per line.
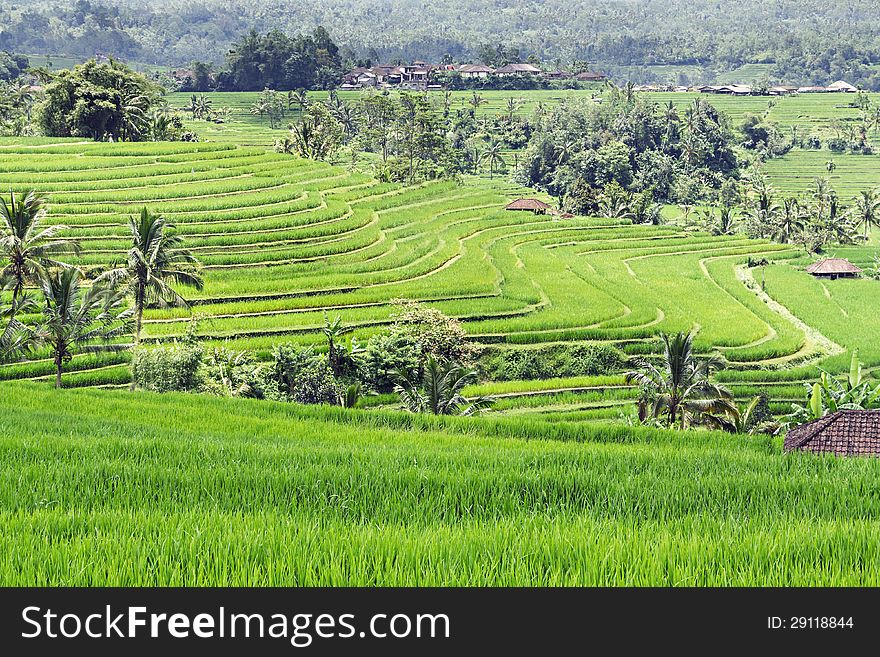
x=493, y=155
x=789, y=221
x=26, y=244
x=866, y=210
x=747, y=419
x=78, y=318
x=156, y=259
x=679, y=392
x=15, y=337
x=440, y=390
x=475, y=101
x=513, y=104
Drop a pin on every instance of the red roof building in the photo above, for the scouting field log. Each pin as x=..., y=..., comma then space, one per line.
x=845, y=433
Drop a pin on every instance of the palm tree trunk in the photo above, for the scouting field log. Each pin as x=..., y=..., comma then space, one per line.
x=58, y=366
x=137, y=336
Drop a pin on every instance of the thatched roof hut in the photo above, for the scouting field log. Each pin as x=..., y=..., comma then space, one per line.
x=834, y=268
x=530, y=204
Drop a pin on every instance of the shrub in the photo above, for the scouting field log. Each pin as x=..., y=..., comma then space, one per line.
x=230, y=373
x=171, y=368
x=300, y=375
x=551, y=361
x=837, y=145
x=386, y=355
x=436, y=334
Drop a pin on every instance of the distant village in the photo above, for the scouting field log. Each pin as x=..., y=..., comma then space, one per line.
x=420, y=76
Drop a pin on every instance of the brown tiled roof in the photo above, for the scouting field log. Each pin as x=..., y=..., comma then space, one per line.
x=527, y=204
x=833, y=266
x=845, y=433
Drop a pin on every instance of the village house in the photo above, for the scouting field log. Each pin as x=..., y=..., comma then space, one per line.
x=842, y=87
x=511, y=70
x=472, y=71
x=844, y=433
x=590, y=76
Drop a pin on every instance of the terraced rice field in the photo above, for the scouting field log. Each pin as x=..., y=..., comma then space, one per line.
x=283, y=239
x=811, y=113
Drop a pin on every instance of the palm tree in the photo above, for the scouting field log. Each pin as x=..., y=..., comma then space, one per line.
x=747, y=420
x=866, y=209
x=15, y=337
x=475, y=101
x=679, y=392
x=789, y=221
x=23, y=97
x=440, y=391
x=203, y=107
x=134, y=115
x=156, y=259
x=75, y=317
x=27, y=246
x=492, y=154
x=299, y=97
x=513, y=104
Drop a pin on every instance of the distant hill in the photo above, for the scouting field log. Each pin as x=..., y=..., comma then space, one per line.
x=803, y=41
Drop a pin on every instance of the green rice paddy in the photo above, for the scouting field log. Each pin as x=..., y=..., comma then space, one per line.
x=551, y=487
x=110, y=488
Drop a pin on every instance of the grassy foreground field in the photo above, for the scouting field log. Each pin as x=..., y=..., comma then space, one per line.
x=101, y=487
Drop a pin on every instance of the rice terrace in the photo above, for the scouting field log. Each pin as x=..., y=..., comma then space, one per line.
x=362, y=369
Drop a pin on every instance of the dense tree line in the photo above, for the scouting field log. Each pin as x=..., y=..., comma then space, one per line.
x=804, y=40
x=581, y=147
x=275, y=61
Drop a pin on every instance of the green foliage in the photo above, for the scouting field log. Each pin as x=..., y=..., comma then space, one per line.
x=317, y=135
x=302, y=376
x=78, y=318
x=276, y=61
x=231, y=373
x=168, y=368
x=12, y=65
x=550, y=361
x=387, y=355
x=436, y=334
x=440, y=390
x=830, y=394
x=597, y=144
x=679, y=393
x=100, y=101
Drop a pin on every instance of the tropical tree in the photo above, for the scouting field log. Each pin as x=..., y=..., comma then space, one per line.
x=440, y=391
x=27, y=245
x=317, y=135
x=513, y=104
x=493, y=155
x=15, y=337
x=748, y=419
x=79, y=318
x=866, y=210
x=830, y=394
x=475, y=101
x=679, y=392
x=156, y=260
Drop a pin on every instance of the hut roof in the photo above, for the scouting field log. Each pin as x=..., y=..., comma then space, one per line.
x=527, y=204
x=845, y=433
x=833, y=266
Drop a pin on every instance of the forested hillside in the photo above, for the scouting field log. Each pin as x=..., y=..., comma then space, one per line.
x=800, y=41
